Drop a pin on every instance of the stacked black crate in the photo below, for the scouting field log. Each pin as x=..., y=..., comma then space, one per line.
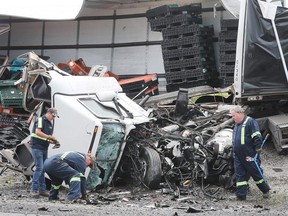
x=227, y=46
x=187, y=45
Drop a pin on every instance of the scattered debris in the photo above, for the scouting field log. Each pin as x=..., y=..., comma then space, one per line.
x=193, y=210
x=43, y=209
x=277, y=169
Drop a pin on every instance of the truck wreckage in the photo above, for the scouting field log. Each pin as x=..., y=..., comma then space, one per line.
x=178, y=140
x=179, y=145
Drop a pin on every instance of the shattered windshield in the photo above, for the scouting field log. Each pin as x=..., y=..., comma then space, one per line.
x=98, y=109
x=107, y=154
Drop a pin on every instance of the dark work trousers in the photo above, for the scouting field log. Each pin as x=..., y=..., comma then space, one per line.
x=59, y=171
x=243, y=170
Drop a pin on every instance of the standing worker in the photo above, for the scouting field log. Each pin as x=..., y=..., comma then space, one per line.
x=247, y=142
x=41, y=137
x=69, y=167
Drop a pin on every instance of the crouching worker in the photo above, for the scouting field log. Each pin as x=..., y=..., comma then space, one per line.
x=69, y=167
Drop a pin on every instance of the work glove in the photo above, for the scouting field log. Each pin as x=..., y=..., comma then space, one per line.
x=57, y=145
x=52, y=139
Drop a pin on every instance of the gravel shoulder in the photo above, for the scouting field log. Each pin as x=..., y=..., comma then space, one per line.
x=15, y=198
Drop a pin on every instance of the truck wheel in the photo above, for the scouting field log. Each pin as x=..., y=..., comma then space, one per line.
x=151, y=167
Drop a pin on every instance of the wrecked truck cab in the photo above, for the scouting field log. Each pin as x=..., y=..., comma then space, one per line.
x=98, y=122
x=94, y=116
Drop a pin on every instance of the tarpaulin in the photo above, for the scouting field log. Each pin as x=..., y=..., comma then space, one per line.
x=263, y=69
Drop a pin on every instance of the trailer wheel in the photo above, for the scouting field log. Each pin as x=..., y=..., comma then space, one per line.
x=150, y=163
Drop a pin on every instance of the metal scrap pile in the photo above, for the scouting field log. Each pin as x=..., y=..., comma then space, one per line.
x=195, y=146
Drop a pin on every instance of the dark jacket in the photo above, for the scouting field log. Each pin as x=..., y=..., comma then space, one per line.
x=246, y=138
x=47, y=128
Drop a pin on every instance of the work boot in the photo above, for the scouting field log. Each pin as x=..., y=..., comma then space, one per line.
x=75, y=201
x=34, y=194
x=266, y=195
x=241, y=198
x=238, y=198
x=79, y=201
x=44, y=193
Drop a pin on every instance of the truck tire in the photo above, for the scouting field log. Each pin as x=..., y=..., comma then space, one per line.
x=151, y=167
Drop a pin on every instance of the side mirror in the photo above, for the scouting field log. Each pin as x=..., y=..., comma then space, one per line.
x=106, y=96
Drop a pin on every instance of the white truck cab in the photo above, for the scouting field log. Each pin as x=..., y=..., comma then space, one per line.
x=95, y=116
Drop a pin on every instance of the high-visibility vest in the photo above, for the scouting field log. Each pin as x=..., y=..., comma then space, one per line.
x=243, y=131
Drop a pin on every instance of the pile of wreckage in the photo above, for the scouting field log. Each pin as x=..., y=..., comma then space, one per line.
x=192, y=133
x=187, y=141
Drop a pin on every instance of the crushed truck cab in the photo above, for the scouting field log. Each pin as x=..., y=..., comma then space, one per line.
x=94, y=116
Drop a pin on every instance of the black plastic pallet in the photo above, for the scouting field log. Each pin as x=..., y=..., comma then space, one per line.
x=228, y=52
x=187, y=64
x=223, y=63
x=172, y=10
x=227, y=57
x=184, y=19
x=175, y=77
x=186, y=42
x=190, y=75
x=164, y=10
x=229, y=24
x=20, y=131
x=228, y=36
x=227, y=61
x=226, y=69
x=227, y=74
x=171, y=22
x=188, y=52
x=206, y=67
x=188, y=30
x=184, y=56
x=175, y=32
x=227, y=46
x=184, y=76
x=8, y=145
x=227, y=40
